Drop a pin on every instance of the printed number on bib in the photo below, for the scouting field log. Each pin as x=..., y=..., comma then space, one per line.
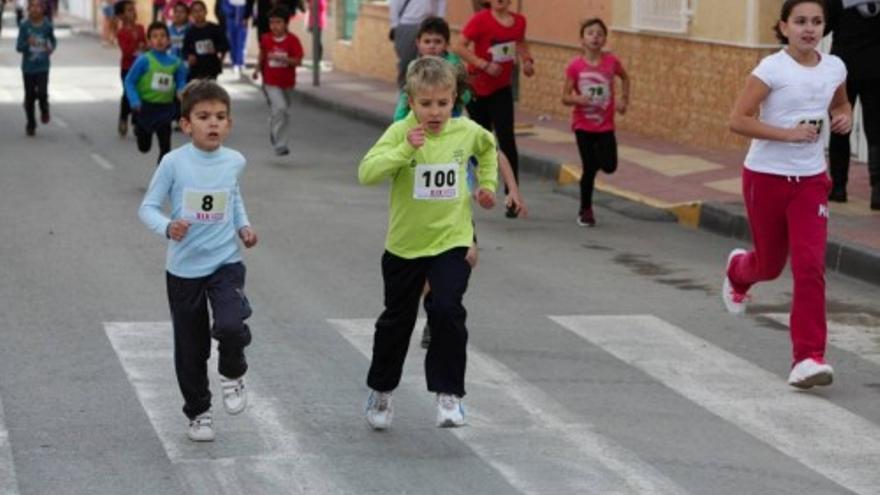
x=436, y=182
x=278, y=59
x=205, y=206
x=204, y=47
x=816, y=122
x=503, y=52
x=161, y=82
x=597, y=92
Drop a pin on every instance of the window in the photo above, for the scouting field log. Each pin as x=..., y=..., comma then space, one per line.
x=661, y=15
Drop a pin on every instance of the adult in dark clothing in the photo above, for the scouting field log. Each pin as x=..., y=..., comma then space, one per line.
x=856, y=28
x=405, y=18
x=204, y=45
x=261, y=17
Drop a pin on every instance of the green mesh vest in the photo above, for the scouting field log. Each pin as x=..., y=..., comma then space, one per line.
x=157, y=84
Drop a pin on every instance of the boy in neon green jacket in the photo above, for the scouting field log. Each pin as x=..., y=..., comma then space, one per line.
x=429, y=232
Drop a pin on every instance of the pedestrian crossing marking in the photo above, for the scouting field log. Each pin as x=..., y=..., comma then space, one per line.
x=827, y=438
x=8, y=482
x=583, y=461
x=860, y=335
x=254, y=450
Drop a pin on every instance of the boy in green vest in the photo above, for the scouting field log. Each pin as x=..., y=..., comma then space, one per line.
x=152, y=85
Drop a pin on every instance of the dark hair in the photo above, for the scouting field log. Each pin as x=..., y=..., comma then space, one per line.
x=181, y=3
x=156, y=26
x=434, y=25
x=198, y=2
x=199, y=90
x=592, y=22
x=279, y=12
x=119, y=7
x=787, y=7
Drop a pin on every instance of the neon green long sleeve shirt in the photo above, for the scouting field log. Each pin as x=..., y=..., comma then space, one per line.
x=430, y=207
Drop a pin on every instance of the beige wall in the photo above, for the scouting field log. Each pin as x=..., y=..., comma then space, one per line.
x=722, y=20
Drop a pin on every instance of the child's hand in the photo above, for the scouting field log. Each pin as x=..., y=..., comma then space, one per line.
x=416, y=136
x=841, y=123
x=529, y=68
x=621, y=106
x=486, y=198
x=177, y=229
x=32, y=40
x=493, y=69
x=519, y=206
x=191, y=60
x=256, y=74
x=248, y=237
x=472, y=255
x=803, y=133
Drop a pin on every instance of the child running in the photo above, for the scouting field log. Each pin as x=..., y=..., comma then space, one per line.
x=280, y=54
x=151, y=87
x=204, y=266
x=491, y=42
x=36, y=42
x=132, y=43
x=178, y=27
x=782, y=108
x=204, y=45
x=589, y=88
x=430, y=230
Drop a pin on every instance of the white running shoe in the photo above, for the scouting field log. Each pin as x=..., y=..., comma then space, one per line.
x=379, y=411
x=234, y=394
x=450, y=412
x=201, y=428
x=809, y=373
x=733, y=300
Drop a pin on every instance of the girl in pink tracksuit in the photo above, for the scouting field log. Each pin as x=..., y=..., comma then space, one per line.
x=787, y=99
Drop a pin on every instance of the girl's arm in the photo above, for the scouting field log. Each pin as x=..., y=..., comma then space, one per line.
x=525, y=55
x=841, y=111
x=569, y=97
x=623, y=104
x=744, y=117
x=462, y=48
x=514, y=198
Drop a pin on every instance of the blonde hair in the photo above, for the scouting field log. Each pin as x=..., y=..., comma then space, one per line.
x=430, y=71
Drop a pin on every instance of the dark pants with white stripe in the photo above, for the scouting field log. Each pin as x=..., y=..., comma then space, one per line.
x=448, y=273
x=189, y=299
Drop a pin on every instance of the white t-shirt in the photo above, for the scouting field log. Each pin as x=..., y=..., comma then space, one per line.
x=797, y=93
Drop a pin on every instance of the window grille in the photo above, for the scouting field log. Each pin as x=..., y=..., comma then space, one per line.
x=661, y=15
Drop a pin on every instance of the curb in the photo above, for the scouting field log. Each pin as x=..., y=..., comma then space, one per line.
x=728, y=220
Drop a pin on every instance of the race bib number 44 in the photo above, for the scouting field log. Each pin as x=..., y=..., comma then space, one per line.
x=205, y=206
x=436, y=182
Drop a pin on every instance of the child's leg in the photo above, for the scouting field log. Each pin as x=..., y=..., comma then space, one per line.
x=766, y=198
x=42, y=81
x=192, y=341
x=586, y=142
x=163, y=136
x=808, y=227
x=30, y=98
x=501, y=110
x=124, y=106
x=404, y=280
x=230, y=308
x=445, y=361
x=278, y=115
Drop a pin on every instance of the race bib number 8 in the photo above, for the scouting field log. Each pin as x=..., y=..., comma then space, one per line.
x=436, y=182
x=503, y=52
x=205, y=206
x=161, y=82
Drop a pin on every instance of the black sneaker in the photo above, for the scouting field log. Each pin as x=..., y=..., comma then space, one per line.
x=44, y=117
x=30, y=130
x=511, y=212
x=122, y=127
x=426, y=336
x=837, y=194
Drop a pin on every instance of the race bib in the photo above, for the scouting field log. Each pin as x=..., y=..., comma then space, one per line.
x=204, y=47
x=201, y=206
x=598, y=92
x=436, y=182
x=177, y=41
x=278, y=59
x=237, y=3
x=817, y=122
x=162, y=82
x=503, y=52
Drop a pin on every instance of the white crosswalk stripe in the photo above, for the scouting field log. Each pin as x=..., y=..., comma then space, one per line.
x=808, y=428
x=859, y=335
x=255, y=452
x=583, y=461
x=8, y=483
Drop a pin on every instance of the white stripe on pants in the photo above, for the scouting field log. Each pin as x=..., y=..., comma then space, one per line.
x=279, y=101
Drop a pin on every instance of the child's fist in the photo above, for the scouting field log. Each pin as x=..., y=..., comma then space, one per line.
x=416, y=136
x=248, y=237
x=486, y=198
x=177, y=229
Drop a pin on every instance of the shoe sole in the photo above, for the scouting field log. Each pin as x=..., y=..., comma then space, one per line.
x=377, y=427
x=233, y=412
x=200, y=440
x=449, y=424
x=822, y=379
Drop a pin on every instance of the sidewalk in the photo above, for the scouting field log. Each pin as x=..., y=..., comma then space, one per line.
x=697, y=188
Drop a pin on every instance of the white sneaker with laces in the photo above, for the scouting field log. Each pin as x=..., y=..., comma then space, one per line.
x=809, y=373
x=234, y=394
x=379, y=411
x=201, y=428
x=450, y=412
x=734, y=302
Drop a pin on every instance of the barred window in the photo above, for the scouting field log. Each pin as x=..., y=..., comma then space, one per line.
x=661, y=15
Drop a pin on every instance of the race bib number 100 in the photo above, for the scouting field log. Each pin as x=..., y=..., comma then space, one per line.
x=205, y=206
x=436, y=182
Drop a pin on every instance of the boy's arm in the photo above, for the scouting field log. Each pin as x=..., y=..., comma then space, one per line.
x=150, y=211
x=389, y=154
x=21, y=44
x=487, y=157
x=131, y=80
x=52, y=40
x=296, y=53
x=239, y=214
x=180, y=76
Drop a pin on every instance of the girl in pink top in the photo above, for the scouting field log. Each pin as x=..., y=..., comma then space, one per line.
x=589, y=88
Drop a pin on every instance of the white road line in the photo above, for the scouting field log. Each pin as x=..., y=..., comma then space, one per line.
x=829, y=439
x=254, y=450
x=860, y=336
x=500, y=402
x=102, y=162
x=8, y=483
x=61, y=123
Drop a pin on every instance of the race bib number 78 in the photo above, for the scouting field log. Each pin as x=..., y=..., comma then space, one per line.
x=436, y=182
x=205, y=206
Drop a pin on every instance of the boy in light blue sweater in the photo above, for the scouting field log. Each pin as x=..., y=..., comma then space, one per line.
x=36, y=41
x=204, y=265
